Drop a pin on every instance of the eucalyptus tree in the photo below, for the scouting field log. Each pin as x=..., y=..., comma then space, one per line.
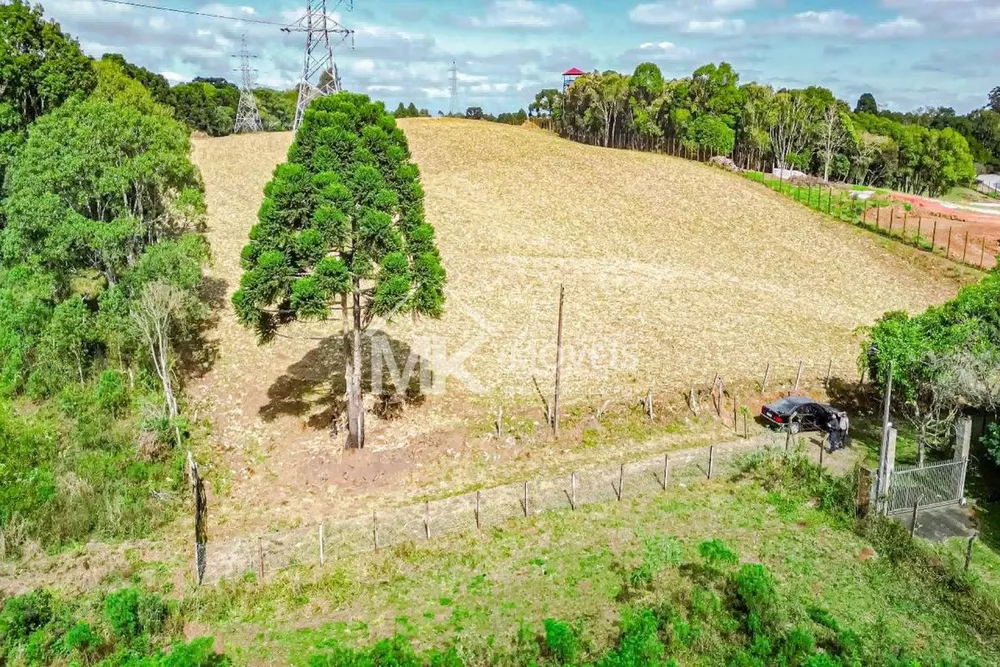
x=342, y=227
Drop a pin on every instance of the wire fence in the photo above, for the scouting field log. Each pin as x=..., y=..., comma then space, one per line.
x=885, y=218
x=990, y=189
x=486, y=508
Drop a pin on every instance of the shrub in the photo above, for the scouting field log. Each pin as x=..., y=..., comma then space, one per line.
x=759, y=600
x=715, y=553
x=112, y=392
x=24, y=614
x=132, y=614
x=81, y=639
x=639, y=644
x=561, y=641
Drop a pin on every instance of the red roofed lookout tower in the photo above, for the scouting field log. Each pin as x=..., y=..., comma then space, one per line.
x=571, y=75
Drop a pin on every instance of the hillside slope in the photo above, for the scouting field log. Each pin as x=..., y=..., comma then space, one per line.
x=674, y=271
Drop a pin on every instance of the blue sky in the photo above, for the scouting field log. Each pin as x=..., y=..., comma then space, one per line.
x=909, y=53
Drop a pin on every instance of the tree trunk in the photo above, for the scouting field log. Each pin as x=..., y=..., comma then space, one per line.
x=353, y=372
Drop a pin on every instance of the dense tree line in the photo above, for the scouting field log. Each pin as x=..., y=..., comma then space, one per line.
x=209, y=104
x=760, y=127
x=101, y=257
x=410, y=111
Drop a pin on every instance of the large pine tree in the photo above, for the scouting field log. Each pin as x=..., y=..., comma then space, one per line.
x=342, y=227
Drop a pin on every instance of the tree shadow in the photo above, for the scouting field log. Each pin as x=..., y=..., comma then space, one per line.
x=315, y=384
x=196, y=354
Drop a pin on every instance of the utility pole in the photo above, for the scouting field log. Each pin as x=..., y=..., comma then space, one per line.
x=247, y=114
x=319, y=63
x=453, y=79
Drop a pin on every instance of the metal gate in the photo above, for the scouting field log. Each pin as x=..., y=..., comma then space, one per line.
x=930, y=486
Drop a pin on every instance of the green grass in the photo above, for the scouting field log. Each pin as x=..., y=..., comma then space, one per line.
x=577, y=583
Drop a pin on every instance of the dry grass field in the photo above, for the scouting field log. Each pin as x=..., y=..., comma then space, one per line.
x=673, y=271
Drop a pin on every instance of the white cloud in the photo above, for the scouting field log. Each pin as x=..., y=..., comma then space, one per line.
x=952, y=18
x=901, y=26
x=719, y=26
x=659, y=51
x=696, y=13
x=831, y=23
x=532, y=14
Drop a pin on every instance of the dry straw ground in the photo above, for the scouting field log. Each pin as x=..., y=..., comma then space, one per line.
x=673, y=271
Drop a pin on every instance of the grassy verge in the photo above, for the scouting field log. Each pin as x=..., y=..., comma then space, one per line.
x=767, y=568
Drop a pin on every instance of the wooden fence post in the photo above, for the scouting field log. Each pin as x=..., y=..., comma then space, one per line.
x=968, y=550
x=559, y=355
x=621, y=482
x=322, y=546
x=525, y=499
x=479, y=524
x=892, y=217
x=427, y=520
x=934, y=237
x=982, y=253
x=572, y=481
x=920, y=226
x=906, y=218
x=711, y=460
x=767, y=375
x=878, y=217
x=829, y=199
x=965, y=251
x=666, y=470
x=948, y=252
x=822, y=451
x=798, y=376
x=260, y=556
x=913, y=521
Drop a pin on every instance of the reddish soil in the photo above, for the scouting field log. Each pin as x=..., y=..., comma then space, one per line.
x=964, y=235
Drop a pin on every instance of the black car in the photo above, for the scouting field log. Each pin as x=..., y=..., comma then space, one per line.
x=801, y=414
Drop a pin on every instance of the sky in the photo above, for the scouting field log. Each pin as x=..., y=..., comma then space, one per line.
x=909, y=53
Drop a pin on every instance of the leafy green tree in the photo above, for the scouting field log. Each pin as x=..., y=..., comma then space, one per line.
x=645, y=91
x=40, y=68
x=95, y=183
x=715, y=90
x=207, y=106
x=156, y=84
x=342, y=225
x=995, y=100
x=867, y=104
x=712, y=133
x=114, y=84
x=400, y=111
x=411, y=110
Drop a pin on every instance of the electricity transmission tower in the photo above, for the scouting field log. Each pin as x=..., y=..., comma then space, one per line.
x=453, y=78
x=318, y=25
x=247, y=114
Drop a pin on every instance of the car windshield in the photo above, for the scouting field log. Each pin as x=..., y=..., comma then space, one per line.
x=789, y=403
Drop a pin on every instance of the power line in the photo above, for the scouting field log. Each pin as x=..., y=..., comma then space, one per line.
x=191, y=12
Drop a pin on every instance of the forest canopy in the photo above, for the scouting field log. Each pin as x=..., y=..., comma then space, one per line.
x=761, y=127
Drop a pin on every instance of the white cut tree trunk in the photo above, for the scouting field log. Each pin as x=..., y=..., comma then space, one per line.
x=153, y=315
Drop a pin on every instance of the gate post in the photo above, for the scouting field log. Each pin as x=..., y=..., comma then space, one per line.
x=963, y=442
x=885, y=473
